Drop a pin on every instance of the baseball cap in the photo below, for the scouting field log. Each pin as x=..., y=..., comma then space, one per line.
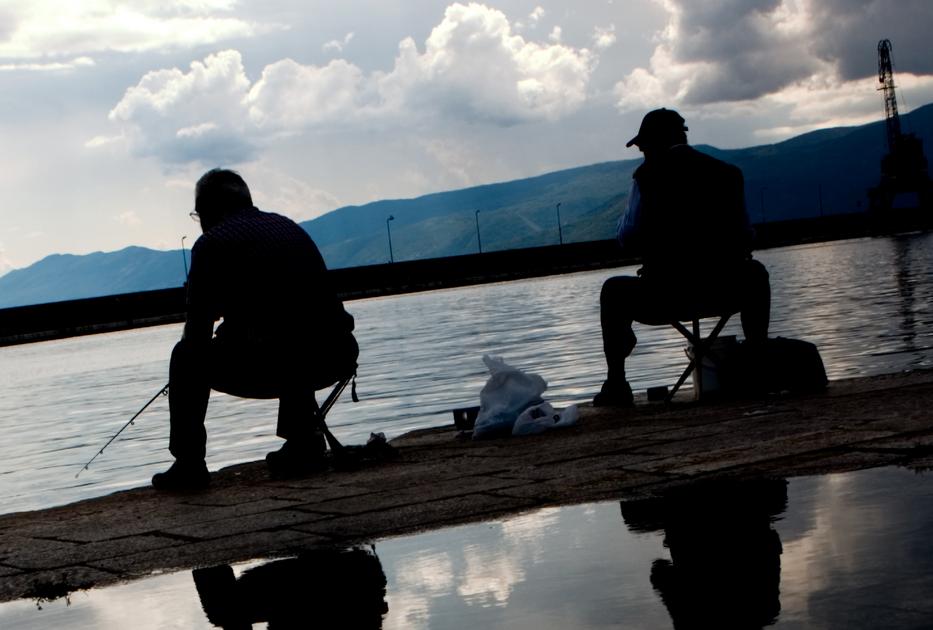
x=656, y=123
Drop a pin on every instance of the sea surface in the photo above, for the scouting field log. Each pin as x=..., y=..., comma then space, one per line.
x=866, y=303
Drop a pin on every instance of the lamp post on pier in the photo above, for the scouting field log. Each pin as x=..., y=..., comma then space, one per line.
x=479, y=243
x=560, y=234
x=389, y=234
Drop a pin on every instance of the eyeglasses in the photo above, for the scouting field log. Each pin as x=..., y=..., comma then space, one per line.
x=195, y=216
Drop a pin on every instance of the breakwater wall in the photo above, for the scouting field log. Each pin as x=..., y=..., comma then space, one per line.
x=56, y=320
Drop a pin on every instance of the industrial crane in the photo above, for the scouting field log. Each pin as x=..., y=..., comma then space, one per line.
x=905, y=181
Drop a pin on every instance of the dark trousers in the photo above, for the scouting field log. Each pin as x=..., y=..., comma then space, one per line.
x=628, y=299
x=239, y=370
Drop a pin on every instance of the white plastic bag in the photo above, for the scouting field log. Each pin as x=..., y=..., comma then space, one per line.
x=507, y=393
x=543, y=417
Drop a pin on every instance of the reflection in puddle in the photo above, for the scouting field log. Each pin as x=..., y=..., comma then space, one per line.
x=724, y=569
x=321, y=588
x=850, y=550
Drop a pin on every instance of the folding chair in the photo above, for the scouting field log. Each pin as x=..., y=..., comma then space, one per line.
x=702, y=348
x=321, y=413
x=350, y=457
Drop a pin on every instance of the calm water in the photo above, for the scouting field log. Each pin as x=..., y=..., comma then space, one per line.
x=840, y=551
x=867, y=303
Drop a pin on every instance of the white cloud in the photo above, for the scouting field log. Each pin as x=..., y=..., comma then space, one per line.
x=765, y=67
x=422, y=577
x=604, y=37
x=102, y=141
x=289, y=196
x=44, y=29
x=128, y=218
x=809, y=106
x=292, y=96
x=742, y=50
x=70, y=64
x=536, y=15
x=556, y=34
x=473, y=69
x=455, y=158
x=198, y=115
x=197, y=131
x=730, y=50
x=489, y=576
x=665, y=82
x=337, y=45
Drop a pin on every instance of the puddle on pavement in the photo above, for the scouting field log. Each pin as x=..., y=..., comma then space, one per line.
x=850, y=550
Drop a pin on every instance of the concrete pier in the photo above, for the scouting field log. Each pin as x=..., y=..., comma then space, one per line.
x=440, y=479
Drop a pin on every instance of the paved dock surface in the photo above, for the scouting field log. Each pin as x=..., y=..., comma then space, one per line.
x=440, y=479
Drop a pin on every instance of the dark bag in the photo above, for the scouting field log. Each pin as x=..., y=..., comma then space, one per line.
x=775, y=366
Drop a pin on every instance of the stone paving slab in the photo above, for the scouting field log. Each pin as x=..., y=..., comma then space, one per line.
x=704, y=456
x=615, y=482
x=146, y=515
x=27, y=555
x=412, y=518
x=235, y=526
x=404, y=497
x=228, y=549
x=823, y=462
x=7, y=571
x=441, y=479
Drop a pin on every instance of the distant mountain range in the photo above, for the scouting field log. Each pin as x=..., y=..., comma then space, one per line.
x=68, y=277
x=826, y=171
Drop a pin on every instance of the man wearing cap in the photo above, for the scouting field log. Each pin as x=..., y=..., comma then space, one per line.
x=686, y=219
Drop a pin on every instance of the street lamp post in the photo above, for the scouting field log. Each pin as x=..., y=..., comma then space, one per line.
x=389, y=234
x=560, y=234
x=479, y=243
x=184, y=256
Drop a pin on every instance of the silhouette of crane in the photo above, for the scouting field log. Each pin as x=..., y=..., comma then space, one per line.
x=905, y=181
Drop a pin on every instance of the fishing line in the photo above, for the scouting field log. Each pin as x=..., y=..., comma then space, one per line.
x=161, y=392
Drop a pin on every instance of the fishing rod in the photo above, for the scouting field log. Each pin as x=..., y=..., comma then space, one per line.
x=184, y=256
x=161, y=392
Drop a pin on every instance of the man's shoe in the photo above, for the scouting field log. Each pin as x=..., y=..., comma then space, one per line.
x=614, y=395
x=183, y=476
x=296, y=458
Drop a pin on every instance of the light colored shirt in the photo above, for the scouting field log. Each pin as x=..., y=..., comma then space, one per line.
x=629, y=225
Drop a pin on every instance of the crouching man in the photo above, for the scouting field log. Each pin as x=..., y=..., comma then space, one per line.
x=284, y=332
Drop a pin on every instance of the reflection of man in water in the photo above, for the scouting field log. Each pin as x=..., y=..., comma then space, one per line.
x=725, y=566
x=284, y=332
x=686, y=219
x=317, y=589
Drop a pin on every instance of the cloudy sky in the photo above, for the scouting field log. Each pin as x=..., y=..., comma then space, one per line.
x=110, y=110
